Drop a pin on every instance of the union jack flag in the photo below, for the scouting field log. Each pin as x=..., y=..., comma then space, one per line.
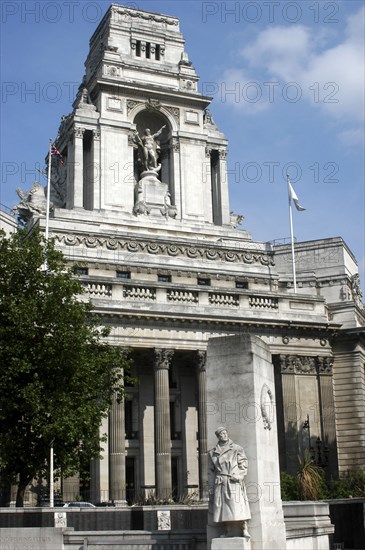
x=55, y=151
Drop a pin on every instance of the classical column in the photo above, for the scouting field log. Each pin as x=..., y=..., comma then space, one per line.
x=96, y=169
x=78, y=172
x=223, y=183
x=162, y=423
x=202, y=425
x=117, y=453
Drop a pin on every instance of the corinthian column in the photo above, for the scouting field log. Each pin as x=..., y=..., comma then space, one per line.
x=78, y=174
x=202, y=425
x=117, y=453
x=162, y=423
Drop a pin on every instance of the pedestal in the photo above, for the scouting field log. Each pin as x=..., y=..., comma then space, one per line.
x=241, y=397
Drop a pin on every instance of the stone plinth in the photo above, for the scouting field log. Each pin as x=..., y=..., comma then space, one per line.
x=231, y=543
x=241, y=396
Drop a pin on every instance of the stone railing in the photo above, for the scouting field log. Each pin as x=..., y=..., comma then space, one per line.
x=139, y=293
x=205, y=297
x=98, y=290
x=263, y=302
x=228, y=300
x=182, y=296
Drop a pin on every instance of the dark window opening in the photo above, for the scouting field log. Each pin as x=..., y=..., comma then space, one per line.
x=241, y=284
x=128, y=417
x=175, y=477
x=138, y=48
x=123, y=275
x=148, y=50
x=164, y=278
x=157, y=53
x=130, y=479
x=81, y=271
x=202, y=281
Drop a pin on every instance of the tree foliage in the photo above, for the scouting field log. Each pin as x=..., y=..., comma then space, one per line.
x=57, y=372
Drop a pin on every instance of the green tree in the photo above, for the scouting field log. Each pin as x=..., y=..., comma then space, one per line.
x=57, y=372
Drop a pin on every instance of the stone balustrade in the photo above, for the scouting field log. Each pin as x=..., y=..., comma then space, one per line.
x=250, y=301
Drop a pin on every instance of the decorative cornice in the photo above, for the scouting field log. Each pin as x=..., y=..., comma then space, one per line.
x=167, y=249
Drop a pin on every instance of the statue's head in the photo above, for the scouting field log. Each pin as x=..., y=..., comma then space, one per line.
x=222, y=434
x=148, y=132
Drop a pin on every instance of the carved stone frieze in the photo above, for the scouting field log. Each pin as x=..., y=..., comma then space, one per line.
x=168, y=249
x=119, y=13
x=299, y=364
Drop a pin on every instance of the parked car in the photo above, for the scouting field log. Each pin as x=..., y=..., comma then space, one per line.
x=78, y=505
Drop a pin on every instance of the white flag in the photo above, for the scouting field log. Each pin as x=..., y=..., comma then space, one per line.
x=293, y=197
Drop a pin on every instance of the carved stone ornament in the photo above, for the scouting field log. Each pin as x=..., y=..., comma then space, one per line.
x=120, y=12
x=187, y=251
x=32, y=202
x=174, y=111
x=325, y=365
x=356, y=290
x=153, y=104
x=201, y=359
x=131, y=104
x=267, y=406
x=79, y=132
x=296, y=364
x=236, y=219
x=163, y=358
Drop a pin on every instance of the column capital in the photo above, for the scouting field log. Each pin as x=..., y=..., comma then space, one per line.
x=96, y=134
x=200, y=361
x=162, y=358
x=78, y=132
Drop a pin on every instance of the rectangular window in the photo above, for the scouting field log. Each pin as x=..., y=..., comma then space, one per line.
x=81, y=271
x=123, y=275
x=164, y=278
x=157, y=54
x=241, y=284
x=203, y=281
x=128, y=418
x=138, y=48
x=148, y=50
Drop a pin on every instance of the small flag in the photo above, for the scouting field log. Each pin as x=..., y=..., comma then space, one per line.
x=55, y=151
x=294, y=198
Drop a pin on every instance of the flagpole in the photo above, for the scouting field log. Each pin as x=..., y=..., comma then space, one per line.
x=292, y=237
x=48, y=190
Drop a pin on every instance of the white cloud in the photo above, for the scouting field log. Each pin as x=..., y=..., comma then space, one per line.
x=330, y=77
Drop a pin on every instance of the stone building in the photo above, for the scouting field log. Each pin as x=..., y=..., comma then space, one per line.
x=141, y=202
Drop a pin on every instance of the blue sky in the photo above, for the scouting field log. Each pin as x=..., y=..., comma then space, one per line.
x=287, y=80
